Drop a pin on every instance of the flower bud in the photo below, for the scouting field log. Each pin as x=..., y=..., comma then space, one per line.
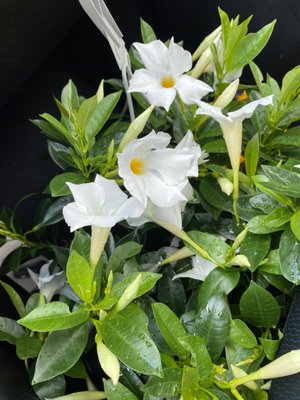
x=226, y=185
x=240, y=260
x=227, y=95
x=108, y=361
x=100, y=91
x=239, y=372
x=128, y=295
x=206, y=43
x=204, y=61
x=135, y=128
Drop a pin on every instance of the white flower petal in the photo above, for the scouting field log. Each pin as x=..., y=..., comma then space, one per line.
x=132, y=208
x=212, y=111
x=144, y=81
x=114, y=197
x=201, y=269
x=171, y=215
x=180, y=60
x=75, y=216
x=162, y=97
x=154, y=56
x=89, y=195
x=190, y=89
x=248, y=110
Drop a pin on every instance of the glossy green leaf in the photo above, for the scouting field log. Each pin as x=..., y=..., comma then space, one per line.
x=86, y=110
x=215, y=146
x=28, y=347
x=78, y=370
x=290, y=85
x=295, y=224
x=168, y=386
x=59, y=127
x=80, y=276
x=272, y=263
x=255, y=248
x=54, y=213
x=121, y=254
x=131, y=344
x=100, y=115
x=51, y=362
x=258, y=307
x=149, y=279
x=69, y=96
x=289, y=255
x=147, y=32
x=213, y=245
x=10, y=330
x=15, y=298
x=189, y=383
x=273, y=222
x=264, y=203
x=262, y=181
x=270, y=347
x=81, y=244
x=118, y=391
x=240, y=334
x=200, y=358
x=171, y=292
x=218, y=281
x=170, y=327
x=58, y=185
x=212, y=323
x=49, y=130
x=252, y=155
x=54, y=316
x=54, y=387
x=290, y=137
x=60, y=154
x=212, y=193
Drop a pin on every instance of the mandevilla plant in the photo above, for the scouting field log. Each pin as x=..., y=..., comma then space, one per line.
x=186, y=246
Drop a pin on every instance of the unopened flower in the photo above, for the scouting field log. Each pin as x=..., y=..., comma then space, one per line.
x=163, y=75
x=108, y=361
x=100, y=203
x=152, y=171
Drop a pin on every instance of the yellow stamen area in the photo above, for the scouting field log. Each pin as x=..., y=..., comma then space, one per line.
x=137, y=166
x=167, y=82
x=243, y=96
x=242, y=159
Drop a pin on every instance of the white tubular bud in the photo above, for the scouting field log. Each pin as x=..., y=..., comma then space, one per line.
x=206, y=43
x=226, y=185
x=240, y=260
x=129, y=294
x=108, y=361
x=227, y=95
x=203, y=62
x=100, y=91
x=135, y=128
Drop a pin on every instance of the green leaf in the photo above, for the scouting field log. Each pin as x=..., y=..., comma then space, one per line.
x=240, y=334
x=61, y=155
x=171, y=292
x=121, y=254
x=189, y=383
x=275, y=221
x=49, y=130
x=54, y=213
x=81, y=244
x=200, y=357
x=252, y=155
x=10, y=330
x=289, y=255
x=118, y=391
x=170, y=327
x=258, y=307
x=291, y=137
x=59, y=127
x=58, y=185
x=215, y=146
x=214, y=246
x=255, y=248
x=78, y=370
x=86, y=110
x=71, y=344
x=15, y=299
x=168, y=386
x=270, y=347
x=212, y=323
x=218, y=281
x=80, y=276
x=100, y=115
x=262, y=181
x=295, y=224
x=28, y=347
x=290, y=85
x=212, y=193
x=53, y=388
x=54, y=316
x=149, y=279
x=131, y=344
x=249, y=47
x=69, y=96
x=147, y=32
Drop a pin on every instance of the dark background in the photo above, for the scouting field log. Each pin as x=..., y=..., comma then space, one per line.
x=43, y=43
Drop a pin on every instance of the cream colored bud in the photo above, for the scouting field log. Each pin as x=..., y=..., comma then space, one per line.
x=108, y=361
x=135, y=128
x=239, y=372
x=128, y=295
x=240, y=260
x=225, y=184
x=100, y=92
x=201, y=66
x=206, y=43
x=227, y=95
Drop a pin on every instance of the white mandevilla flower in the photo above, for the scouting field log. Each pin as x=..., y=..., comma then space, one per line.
x=100, y=203
x=152, y=171
x=163, y=74
x=201, y=269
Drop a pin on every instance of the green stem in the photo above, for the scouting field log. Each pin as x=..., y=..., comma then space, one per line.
x=237, y=395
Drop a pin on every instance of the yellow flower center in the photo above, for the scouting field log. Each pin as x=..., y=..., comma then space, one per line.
x=137, y=166
x=167, y=82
